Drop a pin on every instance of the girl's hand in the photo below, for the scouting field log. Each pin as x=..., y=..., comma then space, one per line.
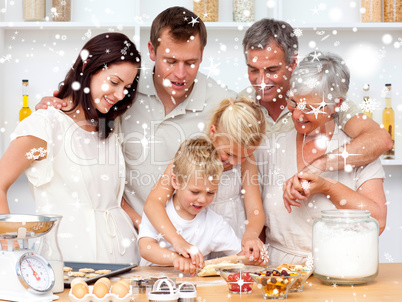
x=184, y=264
x=254, y=249
x=187, y=250
x=47, y=101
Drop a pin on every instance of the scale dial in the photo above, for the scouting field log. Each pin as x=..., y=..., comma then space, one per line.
x=35, y=272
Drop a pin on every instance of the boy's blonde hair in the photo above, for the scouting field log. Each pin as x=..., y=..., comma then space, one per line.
x=242, y=119
x=200, y=156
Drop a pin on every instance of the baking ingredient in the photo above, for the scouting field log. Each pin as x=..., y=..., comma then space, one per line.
x=34, y=10
x=392, y=10
x=388, y=121
x=240, y=282
x=25, y=111
x=79, y=290
x=78, y=280
x=61, y=10
x=243, y=10
x=100, y=289
x=345, y=253
x=207, y=10
x=370, y=10
x=120, y=289
x=104, y=280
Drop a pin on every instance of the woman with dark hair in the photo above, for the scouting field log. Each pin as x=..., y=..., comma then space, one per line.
x=73, y=157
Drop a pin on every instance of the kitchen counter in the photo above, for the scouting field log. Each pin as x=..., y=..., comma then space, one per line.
x=386, y=287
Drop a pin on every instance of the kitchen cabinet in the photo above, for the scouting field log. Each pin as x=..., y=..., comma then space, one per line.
x=43, y=52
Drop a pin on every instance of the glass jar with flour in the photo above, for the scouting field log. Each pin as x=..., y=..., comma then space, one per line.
x=345, y=247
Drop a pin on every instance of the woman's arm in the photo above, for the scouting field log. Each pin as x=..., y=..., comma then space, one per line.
x=155, y=210
x=135, y=217
x=14, y=162
x=369, y=196
x=252, y=245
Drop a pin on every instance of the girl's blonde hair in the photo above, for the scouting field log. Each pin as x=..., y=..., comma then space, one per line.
x=199, y=156
x=242, y=119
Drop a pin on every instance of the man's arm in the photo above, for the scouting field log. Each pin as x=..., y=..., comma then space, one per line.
x=368, y=143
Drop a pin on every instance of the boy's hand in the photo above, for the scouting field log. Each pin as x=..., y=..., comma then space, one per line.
x=254, y=250
x=185, y=265
x=185, y=249
x=47, y=101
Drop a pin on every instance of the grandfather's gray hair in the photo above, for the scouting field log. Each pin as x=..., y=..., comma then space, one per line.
x=265, y=31
x=324, y=74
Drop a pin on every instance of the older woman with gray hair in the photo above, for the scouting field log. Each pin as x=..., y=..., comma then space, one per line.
x=318, y=88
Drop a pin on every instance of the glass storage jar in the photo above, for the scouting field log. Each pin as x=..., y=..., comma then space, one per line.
x=34, y=10
x=61, y=10
x=207, y=10
x=345, y=247
x=243, y=10
x=392, y=10
x=371, y=10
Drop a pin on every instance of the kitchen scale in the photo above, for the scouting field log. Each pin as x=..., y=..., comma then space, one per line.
x=25, y=276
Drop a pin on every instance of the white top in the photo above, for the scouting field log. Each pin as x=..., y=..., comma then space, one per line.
x=284, y=123
x=208, y=231
x=82, y=179
x=152, y=138
x=228, y=201
x=290, y=235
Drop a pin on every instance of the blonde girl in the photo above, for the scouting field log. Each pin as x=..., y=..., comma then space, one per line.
x=236, y=130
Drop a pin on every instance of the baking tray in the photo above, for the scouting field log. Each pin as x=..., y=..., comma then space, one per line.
x=116, y=269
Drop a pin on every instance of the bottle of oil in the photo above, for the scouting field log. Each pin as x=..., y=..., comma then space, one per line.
x=25, y=110
x=366, y=100
x=388, y=121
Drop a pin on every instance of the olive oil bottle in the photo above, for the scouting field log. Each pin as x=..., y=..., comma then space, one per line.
x=366, y=101
x=25, y=110
x=388, y=121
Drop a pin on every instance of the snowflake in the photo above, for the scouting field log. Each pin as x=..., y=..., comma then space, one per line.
x=388, y=257
x=319, y=67
x=298, y=32
x=305, y=185
x=369, y=105
x=311, y=82
x=193, y=21
x=315, y=56
x=310, y=261
x=36, y=153
x=301, y=106
x=124, y=51
x=344, y=107
x=285, y=121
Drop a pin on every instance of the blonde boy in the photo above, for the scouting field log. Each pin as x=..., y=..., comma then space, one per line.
x=197, y=169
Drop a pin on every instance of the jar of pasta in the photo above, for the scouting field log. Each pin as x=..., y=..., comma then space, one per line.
x=392, y=10
x=34, y=10
x=61, y=10
x=371, y=10
x=207, y=10
x=243, y=10
x=345, y=247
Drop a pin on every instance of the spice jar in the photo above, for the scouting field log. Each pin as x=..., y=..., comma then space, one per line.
x=243, y=10
x=370, y=10
x=207, y=10
x=392, y=10
x=61, y=10
x=345, y=247
x=34, y=10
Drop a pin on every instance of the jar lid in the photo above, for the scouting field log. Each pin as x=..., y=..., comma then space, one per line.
x=345, y=213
